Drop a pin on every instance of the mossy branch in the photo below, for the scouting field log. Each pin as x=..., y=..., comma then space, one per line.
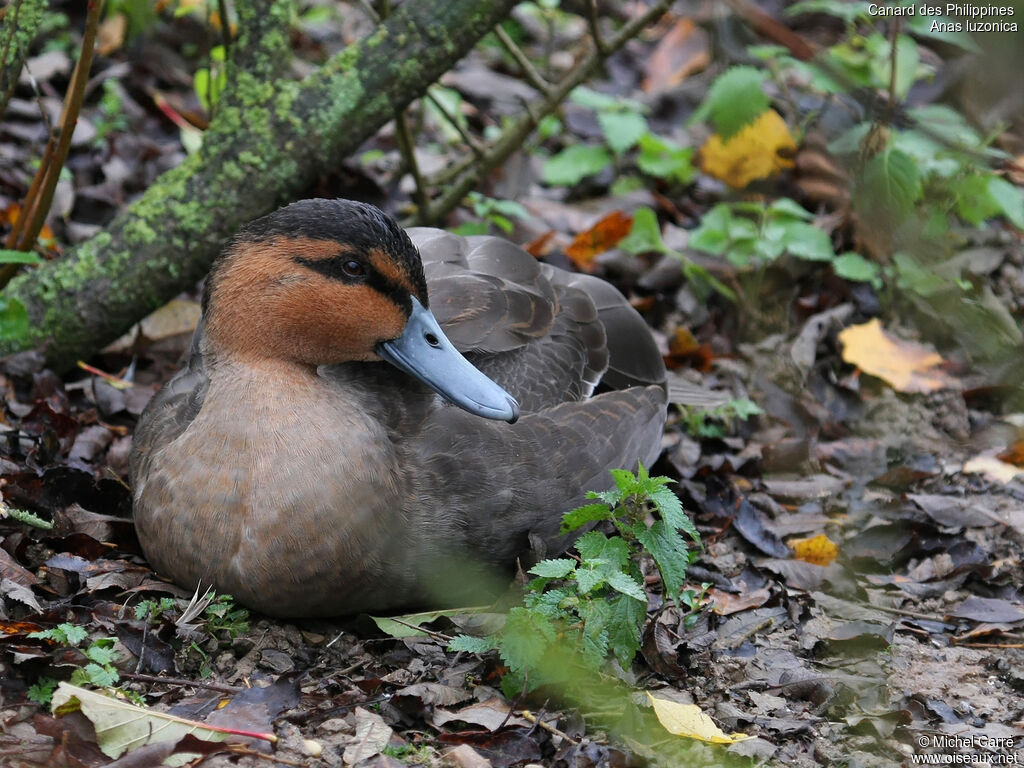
x=18, y=29
x=268, y=142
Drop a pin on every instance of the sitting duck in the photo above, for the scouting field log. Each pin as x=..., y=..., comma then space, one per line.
x=375, y=419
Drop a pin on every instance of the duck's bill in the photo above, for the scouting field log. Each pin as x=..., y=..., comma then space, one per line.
x=424, y=351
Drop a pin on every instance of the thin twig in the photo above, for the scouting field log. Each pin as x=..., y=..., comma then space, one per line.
x=466, y=137
x=143, y=678
x=595, y=28
x=536, y=78
x=407, y=148
x=37, y=203
x=528, y=715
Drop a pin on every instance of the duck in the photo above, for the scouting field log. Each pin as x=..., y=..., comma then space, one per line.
x=371, y=419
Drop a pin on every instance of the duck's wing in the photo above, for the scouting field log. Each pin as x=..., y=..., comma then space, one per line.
x=506, y=487
x=172, y=409
x=542, y=333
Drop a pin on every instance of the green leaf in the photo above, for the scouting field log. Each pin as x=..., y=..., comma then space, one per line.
x=470, y=644
x=890, y=185
x=18, y=257
x=974, y=201
x=712, y=235
x=671, y=510
x=402, y=628
x=645, y=234
x=784, y=206
x=99, y=654
x=575, y=163
x=13, y=318
x=525, y=639
x=624, y=622
x=625, y=481
x=42, y=692
x=554, y=569
x=588, y=97
x=847, y=11
x=907, y=61
x=734, y=100
x=806, y=241
x=549, y=603
x=626, y=585
x=669, y=551
x=664, y=160
x=580, y=516
x=622, y=130
x=911, y=276
x=596, y=548
x=595, y=615
x=1009, y=198
x=854, y=267
x=588, y=578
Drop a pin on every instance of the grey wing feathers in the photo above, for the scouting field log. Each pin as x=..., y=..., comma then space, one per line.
x=546, y=335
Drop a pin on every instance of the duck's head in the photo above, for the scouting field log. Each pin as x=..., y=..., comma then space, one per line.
x=321, y=282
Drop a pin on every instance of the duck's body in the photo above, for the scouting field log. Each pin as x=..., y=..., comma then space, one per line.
x=304, y=485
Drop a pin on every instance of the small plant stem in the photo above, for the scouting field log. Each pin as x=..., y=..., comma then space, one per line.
x=40, y=195
x=894, y=36
x=536, y=79
x=433, y=635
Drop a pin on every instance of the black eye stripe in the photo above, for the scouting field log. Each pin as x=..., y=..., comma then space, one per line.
x=335, y=269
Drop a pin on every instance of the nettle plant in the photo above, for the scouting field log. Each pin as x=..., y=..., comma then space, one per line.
x=582, y=609
x=629, y=146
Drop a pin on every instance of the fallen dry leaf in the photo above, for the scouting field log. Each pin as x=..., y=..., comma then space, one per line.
x=992, y=468
x=688, y=720
x=905, y=365
x=816, y=549
x=682, y=51
x=603, y=236
x=758, y=151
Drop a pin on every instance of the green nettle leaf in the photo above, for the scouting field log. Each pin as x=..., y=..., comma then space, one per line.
x=471, y=644
x=594, y=547
x=890, y=185
x=664, y=160
x=590, y=578
x=626, y=585
x=974, y=201
x=625, y=481
x=734, y=100
x=526, y=637
x=806, y=241
x=671, y=510
x=580, y=516
x=669, y=551
x=625, y=619
x=1009, y=198
x=548, y=603
x=554, y=569
x=575, y=163
x=622, y=130
x=100, y=655
x=644, y=236
x=595, y=615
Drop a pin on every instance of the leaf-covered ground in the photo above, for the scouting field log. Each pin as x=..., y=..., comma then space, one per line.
x=863, y=526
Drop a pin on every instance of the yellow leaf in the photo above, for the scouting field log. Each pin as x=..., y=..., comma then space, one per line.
x=817, y=549
x=905, y=365
x=687, y=720
x=758, y=151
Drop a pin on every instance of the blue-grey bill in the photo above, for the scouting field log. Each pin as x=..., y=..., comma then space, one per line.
x=424, y=351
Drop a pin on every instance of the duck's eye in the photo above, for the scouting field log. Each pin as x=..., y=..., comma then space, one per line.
x=353, y=268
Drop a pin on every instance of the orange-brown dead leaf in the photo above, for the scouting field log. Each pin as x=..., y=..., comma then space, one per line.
x=818, y=550
x=604, y=235
x=110, y=35
x=906, y=366
x=1014, y=454
x=758, y=151
x=683, y=50
x=540, y=246
x=684, y=349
